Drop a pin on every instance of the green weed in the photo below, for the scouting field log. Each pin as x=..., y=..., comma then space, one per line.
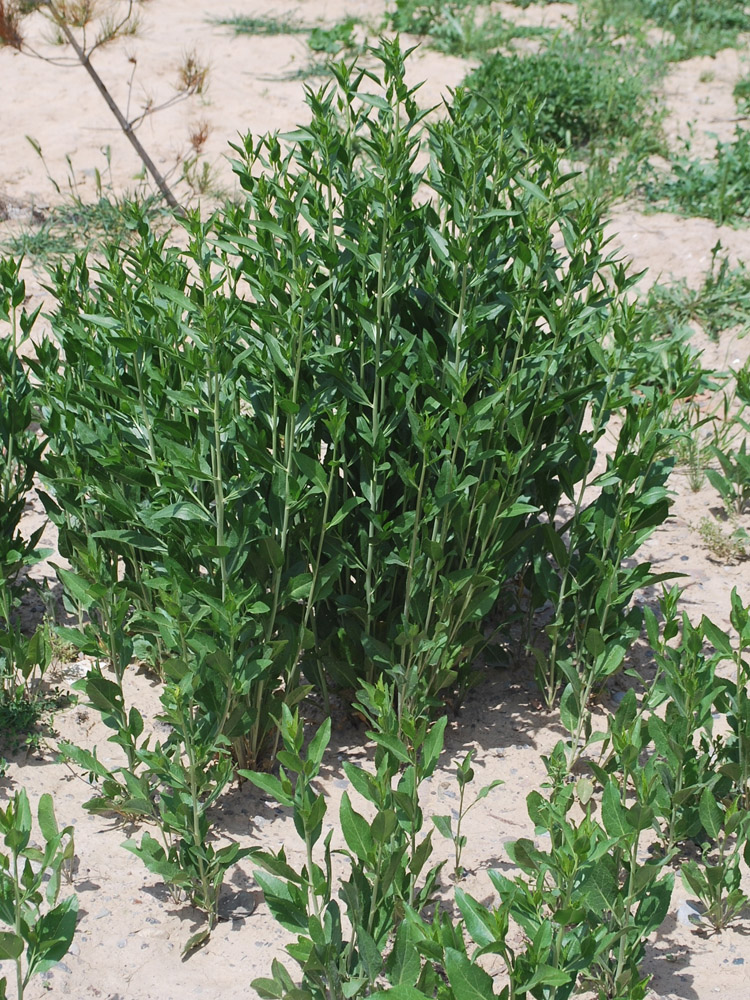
x=462, y=27
x=581, y=91
x=721, y=302
x=725, y=545
x=716, y=189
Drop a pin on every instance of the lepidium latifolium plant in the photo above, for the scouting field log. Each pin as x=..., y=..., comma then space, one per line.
x=347, y=926
x=313, y=448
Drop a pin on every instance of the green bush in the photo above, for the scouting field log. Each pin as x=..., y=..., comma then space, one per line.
x=580, y=90
x=322, y=442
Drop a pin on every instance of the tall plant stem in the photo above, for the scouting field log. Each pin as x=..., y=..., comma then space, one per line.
x=219, y=480
x=17, y=915
x=374, y=504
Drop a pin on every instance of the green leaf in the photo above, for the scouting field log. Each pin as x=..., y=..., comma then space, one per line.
x=433, y=746
x=599, y=886
x=468, y=981
x=438, y=243
x=400, y=992
x=54, y=933
x=270, y=784
x=11, y=945
x=476, y=917
x=547, y=975
x=46, y=815
x=83, y=592
x=613, y=812
x=717, y=637
x=443, y=824
x=710, y=814
x=356, y=831
x=196, y=940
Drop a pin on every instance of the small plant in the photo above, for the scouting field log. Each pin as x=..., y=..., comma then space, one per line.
x=383, y=859
x=721, y=302
x=687, y=754
x=726, y=545
x=41, y=929
x=732, y=479
x=185, y=777
x=585, y=905
x=716, y=189
x=464, y=777
x=715, y=880
x=335, y=40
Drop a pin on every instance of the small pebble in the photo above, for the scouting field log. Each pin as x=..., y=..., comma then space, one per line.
x=738, y=961
x=102, y=913
x=122, y=943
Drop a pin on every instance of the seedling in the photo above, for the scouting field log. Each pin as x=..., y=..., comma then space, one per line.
x=732, y=478
x=464, y=776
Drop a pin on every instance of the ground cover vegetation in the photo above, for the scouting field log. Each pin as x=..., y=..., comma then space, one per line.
x=346, y=441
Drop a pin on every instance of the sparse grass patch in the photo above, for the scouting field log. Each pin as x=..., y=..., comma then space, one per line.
x=698, y=27
x=725, y=546
x=263, y=24
x=722, y=302
x=691, y=27
x=76, y=224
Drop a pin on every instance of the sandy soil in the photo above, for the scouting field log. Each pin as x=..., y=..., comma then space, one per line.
x=130, y=934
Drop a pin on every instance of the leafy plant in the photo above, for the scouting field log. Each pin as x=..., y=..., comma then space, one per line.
x=687, y=754
x=188, y=774
x=41, y=929
x=580, y=91
x=383, y=856
x=732, y=479
x=354, y=507
x=586, y=905
x=339, y=37
x=716, y=189
x=716, y=879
